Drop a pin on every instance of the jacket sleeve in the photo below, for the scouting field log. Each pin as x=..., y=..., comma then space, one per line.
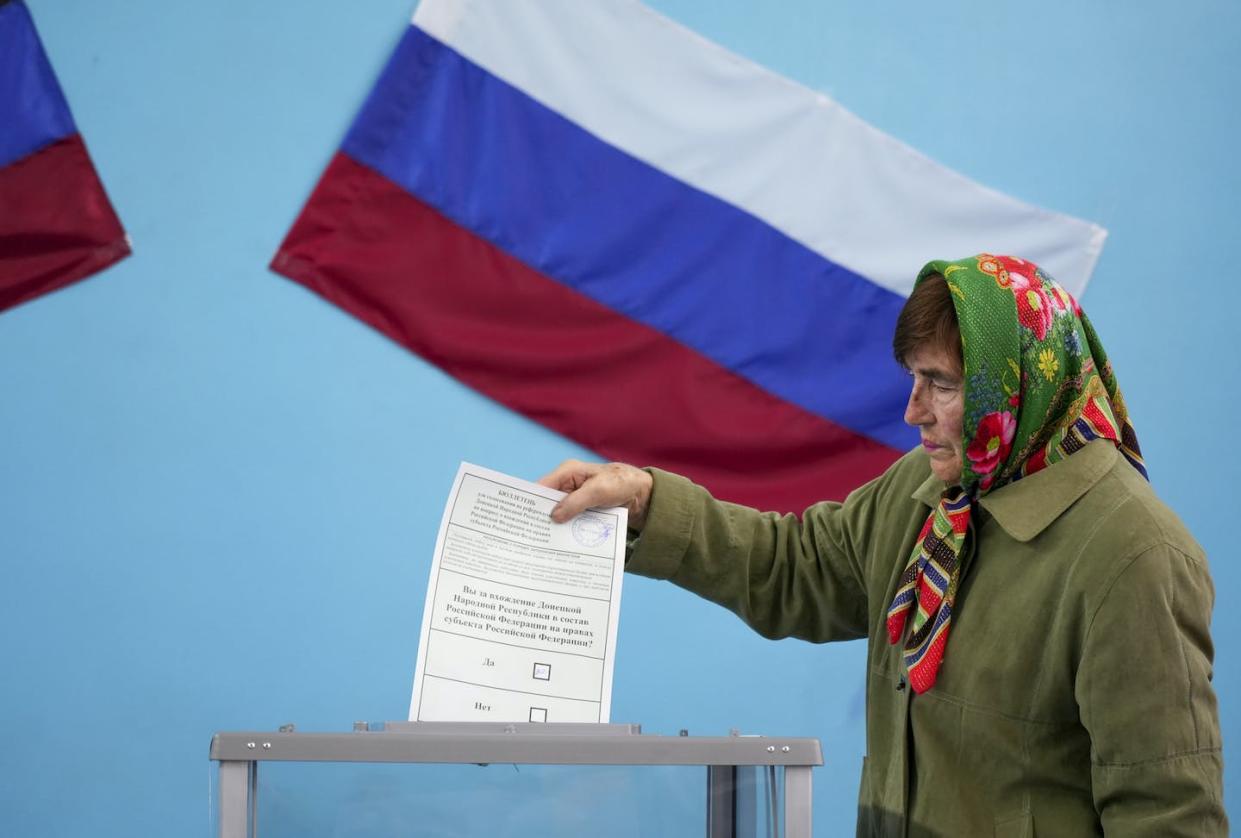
x=783, y=576
x=1144, y=691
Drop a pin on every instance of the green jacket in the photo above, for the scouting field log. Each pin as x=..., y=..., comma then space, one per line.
x=1075, y=696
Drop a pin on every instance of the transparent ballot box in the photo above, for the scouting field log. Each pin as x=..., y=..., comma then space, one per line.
x=441, y=779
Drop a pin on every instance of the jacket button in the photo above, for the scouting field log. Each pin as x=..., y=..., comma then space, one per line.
x=900, y=685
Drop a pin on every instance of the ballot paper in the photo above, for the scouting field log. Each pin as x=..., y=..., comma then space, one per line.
x=521, y=613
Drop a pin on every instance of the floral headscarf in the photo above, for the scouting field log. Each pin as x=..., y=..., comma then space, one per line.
x=1038, y=387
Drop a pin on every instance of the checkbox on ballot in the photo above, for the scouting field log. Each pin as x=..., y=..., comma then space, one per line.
x=542, y=671
x=538, y=714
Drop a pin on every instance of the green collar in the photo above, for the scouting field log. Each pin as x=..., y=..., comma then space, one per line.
x=1028, y=506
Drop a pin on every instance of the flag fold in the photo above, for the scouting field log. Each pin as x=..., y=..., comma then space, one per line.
x=56, y=223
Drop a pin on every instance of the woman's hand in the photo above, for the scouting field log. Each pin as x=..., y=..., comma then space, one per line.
x=600, y=484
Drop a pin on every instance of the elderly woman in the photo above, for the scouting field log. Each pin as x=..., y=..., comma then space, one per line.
x=1038, y=621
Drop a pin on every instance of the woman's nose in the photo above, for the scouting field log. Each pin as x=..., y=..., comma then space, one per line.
x=916, y=413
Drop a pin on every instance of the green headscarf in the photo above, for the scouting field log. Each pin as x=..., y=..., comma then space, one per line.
x=1038, y=387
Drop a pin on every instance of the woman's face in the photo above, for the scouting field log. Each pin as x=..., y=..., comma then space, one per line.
x=937, y=408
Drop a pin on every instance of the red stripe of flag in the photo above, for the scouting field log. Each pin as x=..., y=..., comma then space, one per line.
x=616, y=386
x=56, y=224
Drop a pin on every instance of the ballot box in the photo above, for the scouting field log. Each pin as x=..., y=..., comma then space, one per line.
x=501, y=779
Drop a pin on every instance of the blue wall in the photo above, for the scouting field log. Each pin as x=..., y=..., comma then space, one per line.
x=218, y=495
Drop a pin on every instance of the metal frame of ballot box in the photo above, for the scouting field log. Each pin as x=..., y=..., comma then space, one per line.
x=526, y=743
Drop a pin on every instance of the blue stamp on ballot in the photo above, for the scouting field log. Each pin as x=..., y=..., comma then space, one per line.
x=591, y=530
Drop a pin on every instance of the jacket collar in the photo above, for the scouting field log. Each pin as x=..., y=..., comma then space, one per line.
x=1028, y=506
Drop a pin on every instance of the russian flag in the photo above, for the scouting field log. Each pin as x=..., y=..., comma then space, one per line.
x=56, y=224
x=646, y=243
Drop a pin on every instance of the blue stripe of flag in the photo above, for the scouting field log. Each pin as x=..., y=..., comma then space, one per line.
x=631, y=237
x=33, y=110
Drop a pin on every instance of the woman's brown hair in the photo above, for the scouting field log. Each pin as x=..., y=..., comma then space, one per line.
x=928, y=317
